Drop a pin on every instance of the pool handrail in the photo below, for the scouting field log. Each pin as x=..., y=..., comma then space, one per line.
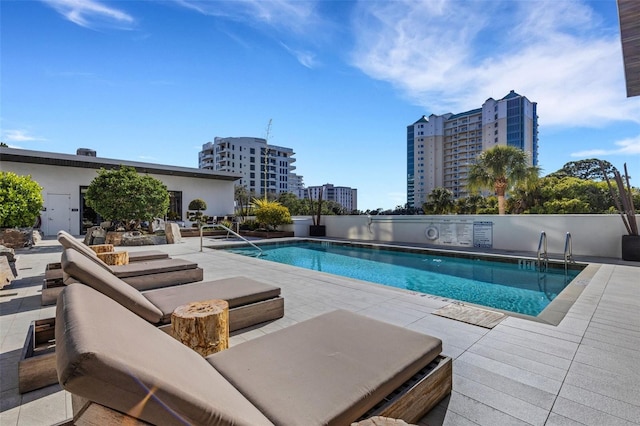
x=229, y=231
x=542, y=251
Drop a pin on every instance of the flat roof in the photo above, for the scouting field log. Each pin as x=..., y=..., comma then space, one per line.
x=88, y=162
x=629, y=13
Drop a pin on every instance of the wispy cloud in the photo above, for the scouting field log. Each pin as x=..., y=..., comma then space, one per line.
x=450, y=55
x=285, y=15
x=16, y=135
x=630, y=146
x=92, y=14
x=306, y=58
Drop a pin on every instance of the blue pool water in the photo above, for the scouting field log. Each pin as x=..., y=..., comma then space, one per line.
x=502, y=285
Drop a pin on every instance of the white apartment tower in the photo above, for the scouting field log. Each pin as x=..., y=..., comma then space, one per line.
x=345, y=196
x=440, y=148
x=263, y=167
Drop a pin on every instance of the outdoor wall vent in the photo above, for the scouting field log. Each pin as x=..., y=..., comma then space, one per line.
x=86, y=152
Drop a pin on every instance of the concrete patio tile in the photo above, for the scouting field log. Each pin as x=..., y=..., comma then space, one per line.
x=621, y=387
x=550, y=372
x=558, y=420
x=611, y=406
x=453, y=419
x=608, y=360
x=585, y=414
x=390, y=314
x=500, y=401
x=536, y=341
x=43, y=406
x=478, y=412
x=504, y=367
x=604, y=320
x=613, y=337
x=517, y=351
x=544, y=329
x=510, y=384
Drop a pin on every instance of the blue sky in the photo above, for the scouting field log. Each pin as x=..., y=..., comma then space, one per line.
x=154, y=80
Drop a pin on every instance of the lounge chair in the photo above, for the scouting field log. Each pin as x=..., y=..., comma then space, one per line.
x=330, y=370
x=250, y=301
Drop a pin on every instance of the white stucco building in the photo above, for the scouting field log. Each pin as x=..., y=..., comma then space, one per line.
x=262, y=167
x=343, y=195
x=440, y=148
x=65, y=177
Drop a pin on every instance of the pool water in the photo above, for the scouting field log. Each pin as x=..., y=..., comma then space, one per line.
x=503, y=285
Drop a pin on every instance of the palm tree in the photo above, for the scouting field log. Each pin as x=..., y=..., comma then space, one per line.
x=499, y=168
x=440, y=201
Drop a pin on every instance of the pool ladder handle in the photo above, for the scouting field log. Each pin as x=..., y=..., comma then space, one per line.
x=229, y=231
x=542, y=252
x=568, y=252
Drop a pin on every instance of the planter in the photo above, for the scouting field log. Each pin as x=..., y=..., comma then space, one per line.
x=267, y=234
x=317, y=230
x=631, y=247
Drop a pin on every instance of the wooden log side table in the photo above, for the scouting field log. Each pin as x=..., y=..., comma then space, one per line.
x=114, y=257
x=102, y=248
x=203, y=326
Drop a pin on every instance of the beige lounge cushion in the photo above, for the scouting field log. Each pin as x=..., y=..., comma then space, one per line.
x=69, y=242
x=237, y=291
x=328, y=370
x=152, y=267
x=81, y=269
x=110, y=356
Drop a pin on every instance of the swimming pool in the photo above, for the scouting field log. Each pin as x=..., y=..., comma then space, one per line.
x=504, y=284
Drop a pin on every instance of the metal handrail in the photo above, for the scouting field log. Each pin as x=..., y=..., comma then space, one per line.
x=568, y=251
x=229, y=231
x=542, y=250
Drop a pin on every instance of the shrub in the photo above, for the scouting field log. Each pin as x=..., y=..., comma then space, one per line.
x=126, y=196
x=20, y=200
x=197, y=216
x=271, y=213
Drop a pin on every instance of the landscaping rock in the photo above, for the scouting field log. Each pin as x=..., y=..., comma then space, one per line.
x=172, y=231
x=17, y=237
x=7, y=252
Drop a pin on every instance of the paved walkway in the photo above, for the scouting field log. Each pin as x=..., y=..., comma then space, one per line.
x=583, y=371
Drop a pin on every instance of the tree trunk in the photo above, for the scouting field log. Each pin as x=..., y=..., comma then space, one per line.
x=203, y=326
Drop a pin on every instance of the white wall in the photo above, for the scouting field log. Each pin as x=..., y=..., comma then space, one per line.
x=218, y=194
x=592, y=235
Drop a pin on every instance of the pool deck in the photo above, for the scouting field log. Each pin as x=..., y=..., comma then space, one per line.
x=585, y=370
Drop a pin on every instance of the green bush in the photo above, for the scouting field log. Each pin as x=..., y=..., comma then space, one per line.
x=20, y=200
x=197, y=216
x=271, y=213
x=126, y=196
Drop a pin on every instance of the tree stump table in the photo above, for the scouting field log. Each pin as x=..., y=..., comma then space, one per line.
x=102, y=248
x=114, y=257
x=203, y=326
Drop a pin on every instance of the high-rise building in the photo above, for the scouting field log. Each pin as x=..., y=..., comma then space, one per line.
x=345, y=196
x=264, y=167
x=440, y=148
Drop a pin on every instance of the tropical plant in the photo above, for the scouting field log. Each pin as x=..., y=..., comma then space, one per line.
x=123, y=195
x=623, y=199
x=440, y=201
x=295, y=205
x=499, y=168
x=195, y=214
x=271, y=213
x=20, y=200
x=316, y=211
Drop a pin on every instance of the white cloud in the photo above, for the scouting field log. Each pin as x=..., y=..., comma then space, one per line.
x=449, y=56
x=629, y=146
x=91, y=14
x=19, y=136
x=306, y=58
x=284, y=15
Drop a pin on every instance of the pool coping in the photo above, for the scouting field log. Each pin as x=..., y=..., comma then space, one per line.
x=553, y=314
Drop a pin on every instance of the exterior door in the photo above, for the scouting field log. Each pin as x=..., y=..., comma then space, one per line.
x=58, y=213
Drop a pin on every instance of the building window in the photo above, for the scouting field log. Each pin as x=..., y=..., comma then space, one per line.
x=252, y=150
x=252, y=159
